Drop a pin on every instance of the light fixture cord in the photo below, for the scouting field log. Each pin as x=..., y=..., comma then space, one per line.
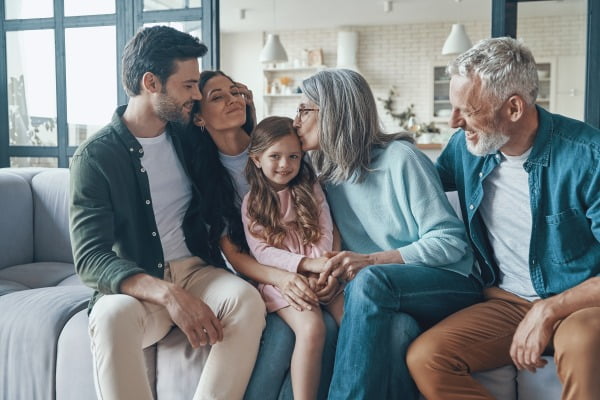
x=275, y=15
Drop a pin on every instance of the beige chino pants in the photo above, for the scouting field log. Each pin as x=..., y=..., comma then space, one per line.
x=122, y=326
x=478, y=338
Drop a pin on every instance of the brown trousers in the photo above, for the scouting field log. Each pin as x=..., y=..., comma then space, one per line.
x=478, y=338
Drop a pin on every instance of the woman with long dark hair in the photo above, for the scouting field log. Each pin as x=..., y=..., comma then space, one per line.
x=223, y=120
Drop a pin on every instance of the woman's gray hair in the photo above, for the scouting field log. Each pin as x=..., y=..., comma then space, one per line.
x=504, y=65
x=348, y=124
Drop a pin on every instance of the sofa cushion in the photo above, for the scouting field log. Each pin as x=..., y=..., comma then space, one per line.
x=31, y=323
x=37, y=275
x=26, y=173
x=74, y=364
x=10, y=286
x=179, y=366
x=50, y=190
x=541, y=385
x=72, y=280
x=499, y=381
x=16, y=220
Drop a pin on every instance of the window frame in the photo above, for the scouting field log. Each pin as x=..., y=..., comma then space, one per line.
x=127, y=19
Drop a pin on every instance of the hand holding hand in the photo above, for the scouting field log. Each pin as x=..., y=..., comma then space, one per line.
x=313, y=280
x=532, y=336
x=194, y=318
x=295, y=289
x=329, y=291
x=344, y=265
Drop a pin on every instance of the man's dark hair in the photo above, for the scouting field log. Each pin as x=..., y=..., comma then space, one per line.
x=155, y=49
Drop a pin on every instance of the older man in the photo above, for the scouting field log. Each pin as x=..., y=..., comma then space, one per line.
x=529, y=188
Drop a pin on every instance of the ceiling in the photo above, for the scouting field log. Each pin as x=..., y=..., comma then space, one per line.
x=311, y=14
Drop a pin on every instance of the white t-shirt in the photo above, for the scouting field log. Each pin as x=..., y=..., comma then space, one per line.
x=506, y=212
x=236, y=165
x=171, y=193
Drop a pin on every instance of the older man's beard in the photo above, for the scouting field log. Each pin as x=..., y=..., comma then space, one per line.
x=487, y=143
x=489, y=139
x=169, y=110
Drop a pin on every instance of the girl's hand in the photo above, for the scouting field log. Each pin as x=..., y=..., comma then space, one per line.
x=313, y=280
x=296, y=290
x=345, y=265
x=329, y=291
x=315, y=265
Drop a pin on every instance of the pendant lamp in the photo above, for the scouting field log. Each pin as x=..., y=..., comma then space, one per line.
x=458, y=41
x=273, y=52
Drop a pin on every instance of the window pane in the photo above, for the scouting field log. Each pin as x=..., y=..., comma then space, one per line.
x=22, y=9
x=78, y=7
x=152, y=5
x=91, y=80
x=194, y=28
x=19, y=162
x=31, y=89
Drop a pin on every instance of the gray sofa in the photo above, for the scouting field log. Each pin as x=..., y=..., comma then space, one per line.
x=44, y=345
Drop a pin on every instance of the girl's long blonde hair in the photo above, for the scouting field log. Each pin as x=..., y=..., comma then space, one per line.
x=263, y=206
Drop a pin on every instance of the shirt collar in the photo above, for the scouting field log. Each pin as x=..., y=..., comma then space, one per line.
x=125, y=134
x=540, y=153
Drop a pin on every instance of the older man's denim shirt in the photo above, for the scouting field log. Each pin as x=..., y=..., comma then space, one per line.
x=564, y=186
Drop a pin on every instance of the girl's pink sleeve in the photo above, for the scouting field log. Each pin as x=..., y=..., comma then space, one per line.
x=325, y=222
x=264, y=252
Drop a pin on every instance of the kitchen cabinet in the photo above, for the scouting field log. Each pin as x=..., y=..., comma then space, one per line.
x=546, y=88
x=440, y=95
x=281, y=90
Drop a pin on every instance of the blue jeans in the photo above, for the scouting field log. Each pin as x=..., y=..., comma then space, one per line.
x=385, y=308
x=270, y=379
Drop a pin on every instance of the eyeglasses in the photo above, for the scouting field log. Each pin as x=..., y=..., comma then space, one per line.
x=301, y=113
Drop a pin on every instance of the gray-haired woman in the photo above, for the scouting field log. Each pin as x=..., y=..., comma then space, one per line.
x=406, y=253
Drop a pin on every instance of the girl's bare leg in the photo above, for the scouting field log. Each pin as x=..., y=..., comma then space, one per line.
x=306, y=359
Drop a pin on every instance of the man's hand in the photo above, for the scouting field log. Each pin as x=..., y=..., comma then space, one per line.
x=532, y=336
x=296, y=290
x=194, y=318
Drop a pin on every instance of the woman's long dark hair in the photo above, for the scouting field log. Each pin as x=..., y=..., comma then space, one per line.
x=220, y=199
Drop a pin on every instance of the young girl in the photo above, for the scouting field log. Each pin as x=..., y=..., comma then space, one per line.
x=287, y=223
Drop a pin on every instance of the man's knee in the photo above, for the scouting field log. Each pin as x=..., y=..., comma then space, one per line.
x=368, y=285
x=431, y=352
x=114, y=312
x=419, y=354
x=578, y=336
x=243, y=304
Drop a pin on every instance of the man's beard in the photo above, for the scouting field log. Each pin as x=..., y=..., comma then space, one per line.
x=489, y=139
x=169, y=110
x=487, y=143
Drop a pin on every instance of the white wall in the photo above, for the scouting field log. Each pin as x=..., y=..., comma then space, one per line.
x=402, y=55
x=239, y=60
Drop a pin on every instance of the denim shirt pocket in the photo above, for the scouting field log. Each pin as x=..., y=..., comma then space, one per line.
x=569, y=235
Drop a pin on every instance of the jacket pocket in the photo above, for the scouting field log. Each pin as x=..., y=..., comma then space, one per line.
x=569, y=235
